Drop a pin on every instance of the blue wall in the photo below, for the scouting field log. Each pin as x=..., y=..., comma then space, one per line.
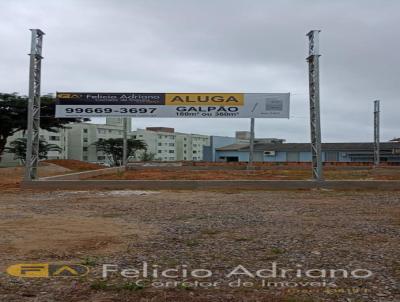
x=279, y=156
x=209, y=153
x=243, y=156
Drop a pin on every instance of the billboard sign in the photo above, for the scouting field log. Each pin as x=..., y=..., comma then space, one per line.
x=178, y=105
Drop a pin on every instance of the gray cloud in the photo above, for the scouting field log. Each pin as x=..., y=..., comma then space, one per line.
x=223, y=45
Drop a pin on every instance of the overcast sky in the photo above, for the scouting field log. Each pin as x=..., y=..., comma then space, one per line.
x=217, y=46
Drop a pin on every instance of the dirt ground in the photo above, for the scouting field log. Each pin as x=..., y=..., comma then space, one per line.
x=291, y=173
x=215, y=231
x=10, y=178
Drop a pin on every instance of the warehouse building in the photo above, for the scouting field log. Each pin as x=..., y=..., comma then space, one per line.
x=300, y=152
x=241, y=137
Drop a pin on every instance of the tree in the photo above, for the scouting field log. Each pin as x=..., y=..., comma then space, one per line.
x=14, y=116
x=147, y=156
x=18, y=147
x=113, y=147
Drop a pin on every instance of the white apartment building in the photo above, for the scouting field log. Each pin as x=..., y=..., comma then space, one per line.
x=165, y=143
x=82, y=137
x=59, y=138
x=77, y=142
x=161, y=143
x=168, y=145
x=190, y=146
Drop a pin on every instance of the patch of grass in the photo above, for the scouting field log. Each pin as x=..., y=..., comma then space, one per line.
x=210, y=232
x=269, y=258
x=239, y=239
x=297, y=299
x=104, y=286
x=112, y=215
x=131, y=286
x=100, y=285
x=277, y=251
x=185, y=217
x=89, y=261
x=185, y=287
x=192, y=242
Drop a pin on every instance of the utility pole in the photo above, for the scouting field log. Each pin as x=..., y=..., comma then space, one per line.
x=315, y=122
x=376, y=133
x=251, y=154
x=32, y=144
x=125, y=140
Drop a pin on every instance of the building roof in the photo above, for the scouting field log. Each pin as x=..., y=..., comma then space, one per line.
x=304, y=147
x=161, y=129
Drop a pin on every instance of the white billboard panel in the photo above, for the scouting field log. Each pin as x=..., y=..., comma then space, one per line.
x=178, y=105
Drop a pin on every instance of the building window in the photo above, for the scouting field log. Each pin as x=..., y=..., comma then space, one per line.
x=194, y=151
x=171, y=151
x=159, y=151
x=85, y=148
x=85, y=158
x=101, y=157
x=160, y=144
x=171, y=144
x=54, y=138
x=85, y=130
x=85, y=139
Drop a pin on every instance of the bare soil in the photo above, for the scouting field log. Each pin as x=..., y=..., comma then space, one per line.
x=10, y=178
x=268, y=173
x=217, y=231
x=74, y=165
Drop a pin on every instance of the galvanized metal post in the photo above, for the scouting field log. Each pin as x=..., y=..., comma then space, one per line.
x=32, y=144
x=376, y=133
x=315, y=122
x=125, y=141
x=251, y=154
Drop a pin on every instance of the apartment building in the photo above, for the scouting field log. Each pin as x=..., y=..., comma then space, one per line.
x=77, y=142
x=59, y=138
x=190, y=146
x=160, y=141
x=82, y=136
x=168, y=145
x=164, y=142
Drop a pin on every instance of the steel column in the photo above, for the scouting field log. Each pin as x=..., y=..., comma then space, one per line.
x=315, y=122
x=32, y=144
x=376, y=133
x=125, y=140
x=251, y=154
